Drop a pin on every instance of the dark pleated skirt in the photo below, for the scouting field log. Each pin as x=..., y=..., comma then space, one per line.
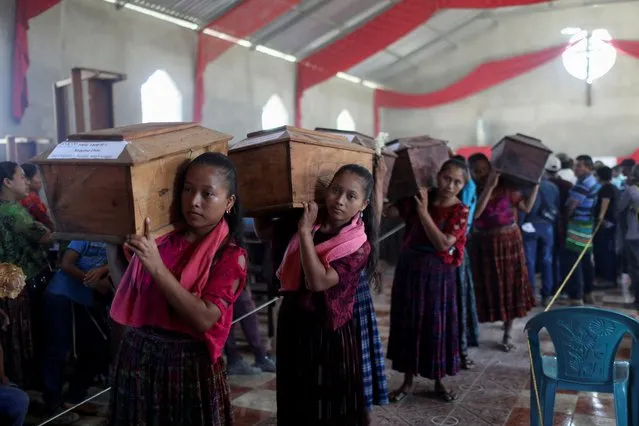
x=502, y=287
x=319, y=376
x=166, y=379
x=17, y=341
x=424, y=329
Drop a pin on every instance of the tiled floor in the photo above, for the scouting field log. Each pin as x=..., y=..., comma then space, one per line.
x=495, y=392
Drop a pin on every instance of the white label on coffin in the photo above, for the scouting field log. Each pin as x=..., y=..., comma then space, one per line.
x=72, y=150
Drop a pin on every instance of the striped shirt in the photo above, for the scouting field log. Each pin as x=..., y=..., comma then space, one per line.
x=585, y=194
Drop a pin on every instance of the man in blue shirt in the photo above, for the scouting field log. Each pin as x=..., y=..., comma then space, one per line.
x=72, y=327
x=579, y=213
x=538, y=229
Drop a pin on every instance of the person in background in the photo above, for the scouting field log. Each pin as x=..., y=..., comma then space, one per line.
x=22, y=243
x=176, y=300
x=467, y=308
x=251, y=328
x=319, y=375
x=628, y=210
x=617, y=177
x=604, y=242
x=372, y=351
x=32, y=202
x=567, y=172
x=14, y=402
x=424, y=325
x=626, y=166
x=579, y=212
x=553, y=166
x=72, y=327
x=502, y=284
x=538, y=228
x=599, y=164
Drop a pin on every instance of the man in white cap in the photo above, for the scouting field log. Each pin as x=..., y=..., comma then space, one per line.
x=539, y=227
x=553, y=167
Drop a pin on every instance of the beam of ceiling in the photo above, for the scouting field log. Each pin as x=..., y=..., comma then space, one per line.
x=302, y=12
x=242, y=21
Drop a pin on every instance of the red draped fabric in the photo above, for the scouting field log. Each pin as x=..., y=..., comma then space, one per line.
x=629, y=47
x=467, y=151
x=481, y=78
x=25, y=10
x=376, y=35
x=240, y=22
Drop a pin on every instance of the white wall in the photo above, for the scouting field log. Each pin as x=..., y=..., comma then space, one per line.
x=93, y=34
x=547, y=102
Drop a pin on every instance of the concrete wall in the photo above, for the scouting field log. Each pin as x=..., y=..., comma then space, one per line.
x=547, y=102
x=93, y=34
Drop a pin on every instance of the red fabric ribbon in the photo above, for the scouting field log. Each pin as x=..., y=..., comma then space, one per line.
x=25, y=10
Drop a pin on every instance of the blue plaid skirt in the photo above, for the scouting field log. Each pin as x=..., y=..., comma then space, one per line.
x=373, y=371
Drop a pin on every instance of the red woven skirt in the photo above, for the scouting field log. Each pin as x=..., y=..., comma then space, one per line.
x=502, y=288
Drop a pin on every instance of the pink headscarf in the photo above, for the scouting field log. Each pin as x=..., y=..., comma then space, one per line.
x=347, y=242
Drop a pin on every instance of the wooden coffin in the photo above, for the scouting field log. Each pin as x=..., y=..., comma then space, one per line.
x=369, y=142
x=418, y=162
x=520, y=159
x=101, y=185
x=280, y=168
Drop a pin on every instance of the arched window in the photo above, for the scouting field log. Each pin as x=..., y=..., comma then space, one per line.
x=161, y=99
x=345, y=121
x=590, y=55
x=274, y=114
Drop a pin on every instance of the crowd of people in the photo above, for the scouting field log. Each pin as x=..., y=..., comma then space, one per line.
x=153, y=318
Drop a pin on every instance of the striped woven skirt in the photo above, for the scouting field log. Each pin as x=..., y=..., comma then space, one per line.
x=373, y=367
x=162, y=378
x=319, y=374
x=424, y=328
x=578, y=235
x=502, y=288
x=467, y=307
x=17, y=341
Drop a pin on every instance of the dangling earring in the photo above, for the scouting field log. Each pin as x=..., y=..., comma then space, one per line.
x=361, y=215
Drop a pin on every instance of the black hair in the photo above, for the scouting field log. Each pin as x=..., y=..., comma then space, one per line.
x=30, y=170
x=368, y=215
x=7, y=170
x=221, y=162
x=604, y=173
x=587, y=160
x=628, y=163
x=476, y=158
x=455, y=163
x=460, y=158
x=617, y=168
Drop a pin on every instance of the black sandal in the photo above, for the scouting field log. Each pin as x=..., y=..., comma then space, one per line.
x=467, y=363
x=507, y=343
x=397, y=396
x=444, y=394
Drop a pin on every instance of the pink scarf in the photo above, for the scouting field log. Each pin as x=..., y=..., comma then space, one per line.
x=194, y=277
x=347, y=242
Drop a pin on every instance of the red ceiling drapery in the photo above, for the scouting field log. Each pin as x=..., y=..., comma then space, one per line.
x=240, y=22
x=375, y=35
x=481, y=78
x=25, y=10
x=629, y=47
x=484, y=76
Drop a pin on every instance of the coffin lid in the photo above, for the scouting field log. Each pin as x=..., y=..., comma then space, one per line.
x=526, y=140
x=402, y=144
x=295, y=134
x=356, y=138
x=145, y=142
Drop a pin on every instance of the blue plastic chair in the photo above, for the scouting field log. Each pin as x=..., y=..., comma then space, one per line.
x=586, y=341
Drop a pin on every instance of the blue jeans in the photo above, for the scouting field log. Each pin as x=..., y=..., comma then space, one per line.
x=14, y=404
x=544, y=238
x=605, y=251
x=583, y=278
x=59, y=313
